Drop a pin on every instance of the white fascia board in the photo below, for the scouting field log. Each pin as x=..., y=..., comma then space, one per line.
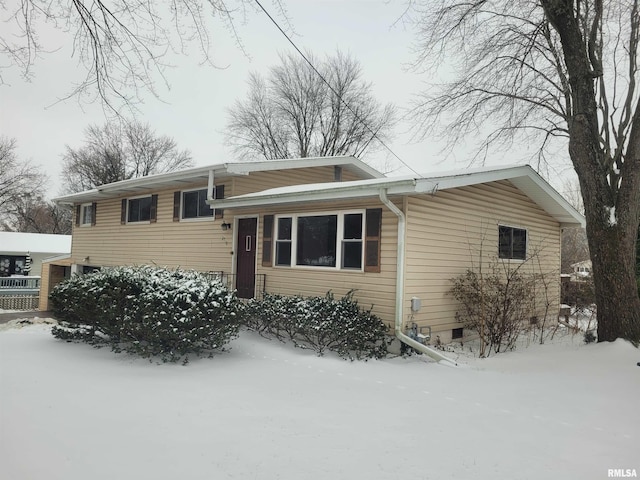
x=245, y=168
x=550, y=200
x=135, y=184
x=525, y=178
x=125, y=187
x=317, y=193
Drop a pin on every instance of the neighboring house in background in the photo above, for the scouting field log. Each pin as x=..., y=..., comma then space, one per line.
x=17, y=247
x=581, y=271
x=308, y=226
x=21, y=258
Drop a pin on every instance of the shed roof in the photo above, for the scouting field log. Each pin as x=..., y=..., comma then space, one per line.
x=19, y=242
x=522, y=176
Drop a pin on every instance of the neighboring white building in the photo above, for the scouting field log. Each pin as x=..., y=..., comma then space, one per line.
x=581, y=270
x=17, y=247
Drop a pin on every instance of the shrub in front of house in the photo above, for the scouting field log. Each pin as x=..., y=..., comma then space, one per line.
x=147, y=311
x=320, y=323
x=497, y=305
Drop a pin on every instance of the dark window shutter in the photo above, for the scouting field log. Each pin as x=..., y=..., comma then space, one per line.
x=153, y=213
x=219, y=195
x=267, y=239
x=94, y=208
x=78, y=211
x=123, y=211
x=176, y=206
x=372, y=240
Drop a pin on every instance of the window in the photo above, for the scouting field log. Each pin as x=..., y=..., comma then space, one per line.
x=283, y=241
x=140, y=209
x=12, y=265
x=86, y=214
x=316, y=241
x=194, y=204
x=512, y=243
x=457, y=333
x=352, y=241
x=331, y=241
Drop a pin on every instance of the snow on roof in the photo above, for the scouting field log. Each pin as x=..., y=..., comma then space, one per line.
x=19, y=242
x=523, y=177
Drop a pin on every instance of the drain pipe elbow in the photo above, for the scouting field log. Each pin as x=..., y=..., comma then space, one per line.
x=401, y=254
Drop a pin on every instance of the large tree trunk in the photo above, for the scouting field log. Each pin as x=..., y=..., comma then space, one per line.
x=612, y=224
x=611, y=196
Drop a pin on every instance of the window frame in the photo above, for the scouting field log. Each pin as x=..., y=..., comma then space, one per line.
x=84, y=207
x=138, y=197
x=340, y=240
x=199, y=218
x=511, y=256
x=11, y=264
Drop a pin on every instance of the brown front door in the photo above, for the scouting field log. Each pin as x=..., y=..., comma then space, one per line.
x=246, y=257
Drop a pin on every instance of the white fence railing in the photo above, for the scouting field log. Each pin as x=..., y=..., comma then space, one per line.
x=13, y=283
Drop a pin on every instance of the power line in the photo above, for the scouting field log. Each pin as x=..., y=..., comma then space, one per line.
x=374, y=134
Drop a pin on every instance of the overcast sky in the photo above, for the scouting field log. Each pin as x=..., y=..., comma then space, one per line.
x=194, y=109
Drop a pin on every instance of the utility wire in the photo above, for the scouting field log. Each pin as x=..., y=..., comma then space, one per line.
x=374, y=134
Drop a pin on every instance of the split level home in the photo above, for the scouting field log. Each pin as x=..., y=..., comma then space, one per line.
x=313, y=225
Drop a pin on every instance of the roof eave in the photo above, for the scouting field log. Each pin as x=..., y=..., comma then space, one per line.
x=339, y=192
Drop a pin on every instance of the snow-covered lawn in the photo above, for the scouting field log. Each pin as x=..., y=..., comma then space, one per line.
x=265, y=410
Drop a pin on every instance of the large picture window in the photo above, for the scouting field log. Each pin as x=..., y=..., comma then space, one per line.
x=330, y=241
x=194, y=204
x=512, y=243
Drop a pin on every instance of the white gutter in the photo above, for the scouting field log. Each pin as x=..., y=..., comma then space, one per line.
x=400, y=286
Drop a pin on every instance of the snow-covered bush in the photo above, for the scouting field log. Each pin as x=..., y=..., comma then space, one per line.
x=147, y=311
x=320, y=323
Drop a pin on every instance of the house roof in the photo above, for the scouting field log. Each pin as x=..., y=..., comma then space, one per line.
x=522, y=176
x=182, y=178
x=19, y=242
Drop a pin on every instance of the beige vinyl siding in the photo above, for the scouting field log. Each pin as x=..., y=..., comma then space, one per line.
x=372, y=289
x=191, y=244
x=453, y=230
x=52, y=274
x=258, y=181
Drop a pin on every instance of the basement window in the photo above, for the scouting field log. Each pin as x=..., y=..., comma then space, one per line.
x=457, y=333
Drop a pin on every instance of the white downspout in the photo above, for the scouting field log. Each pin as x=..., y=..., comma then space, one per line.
x=210, y=186
x=400, y=285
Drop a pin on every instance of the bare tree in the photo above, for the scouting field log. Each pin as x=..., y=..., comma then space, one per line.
x=294, y=112
x=34, y=214
x=575, y=246
x=122, y=46
x=17, y=179
x=117, y=151
x=546, y=71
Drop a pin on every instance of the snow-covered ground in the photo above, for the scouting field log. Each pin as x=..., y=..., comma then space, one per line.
x=264, y=410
